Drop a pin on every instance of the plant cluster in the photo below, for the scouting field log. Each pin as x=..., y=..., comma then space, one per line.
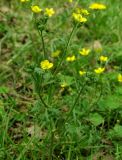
x=76, y=109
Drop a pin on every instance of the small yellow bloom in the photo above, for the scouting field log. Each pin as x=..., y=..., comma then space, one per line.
x=49, y=11
x=84, y=52
x=103, y=58
x=71, y=58
x=46, y=64
x=36, y=9
x=70, y=1
x=97, y=6
x=120, y=78
x=24, y=0
x=99, y=70
x=55, y=54
x=82, y=73
x=64, y=84
x=78, y=17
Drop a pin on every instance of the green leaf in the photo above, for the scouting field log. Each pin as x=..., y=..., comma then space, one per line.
x=116, y=132
x=112, y=76
x=4, y=90
x=38, y=70
x=119, y=90
x=111, y=102
x=96, y=119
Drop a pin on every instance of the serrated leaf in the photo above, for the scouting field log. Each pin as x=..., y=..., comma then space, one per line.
x=38, y=70
x=111, y=102
x=96, y=119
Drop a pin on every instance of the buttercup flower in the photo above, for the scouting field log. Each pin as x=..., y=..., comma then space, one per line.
x=99, y=70
x=71, y=58
x=46, y=64
x=120, y=78
x=36, y=9
x=84, y=52
x=24, y=0
x=103, y=58
x=78, y=17
x=55, y=54
x=49, y=11
x=82, y=73
x=70, y=1
x=97, y=6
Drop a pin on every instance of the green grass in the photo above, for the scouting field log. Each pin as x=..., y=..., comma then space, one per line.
x=39, y=119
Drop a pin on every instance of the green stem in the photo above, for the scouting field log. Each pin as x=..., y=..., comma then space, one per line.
x=43, y=43
x=75, y=102
x=72, y=108
x=98, y=99
x=38, y=92
x=51, y=144
x=42, y=38
x=66, y=47
x=43, y=102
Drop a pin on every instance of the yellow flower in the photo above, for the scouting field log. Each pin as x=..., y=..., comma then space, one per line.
x=36, y=9
x=103, y=58
x=120, y=78
x=84, y=52
x=99, y=70
x=97, y=6
x=55, y=54
x=24, y=0
x=70, y=1
x=78, y=17
x=71, y=58
x=64, y=84
x=82, y=73
x=49, y=11
x=46, y=64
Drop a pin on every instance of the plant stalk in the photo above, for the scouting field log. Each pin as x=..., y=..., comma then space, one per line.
x=66, y=47
x=43, y=44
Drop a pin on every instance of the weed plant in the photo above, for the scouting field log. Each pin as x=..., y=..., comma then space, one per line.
x=60, y=80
